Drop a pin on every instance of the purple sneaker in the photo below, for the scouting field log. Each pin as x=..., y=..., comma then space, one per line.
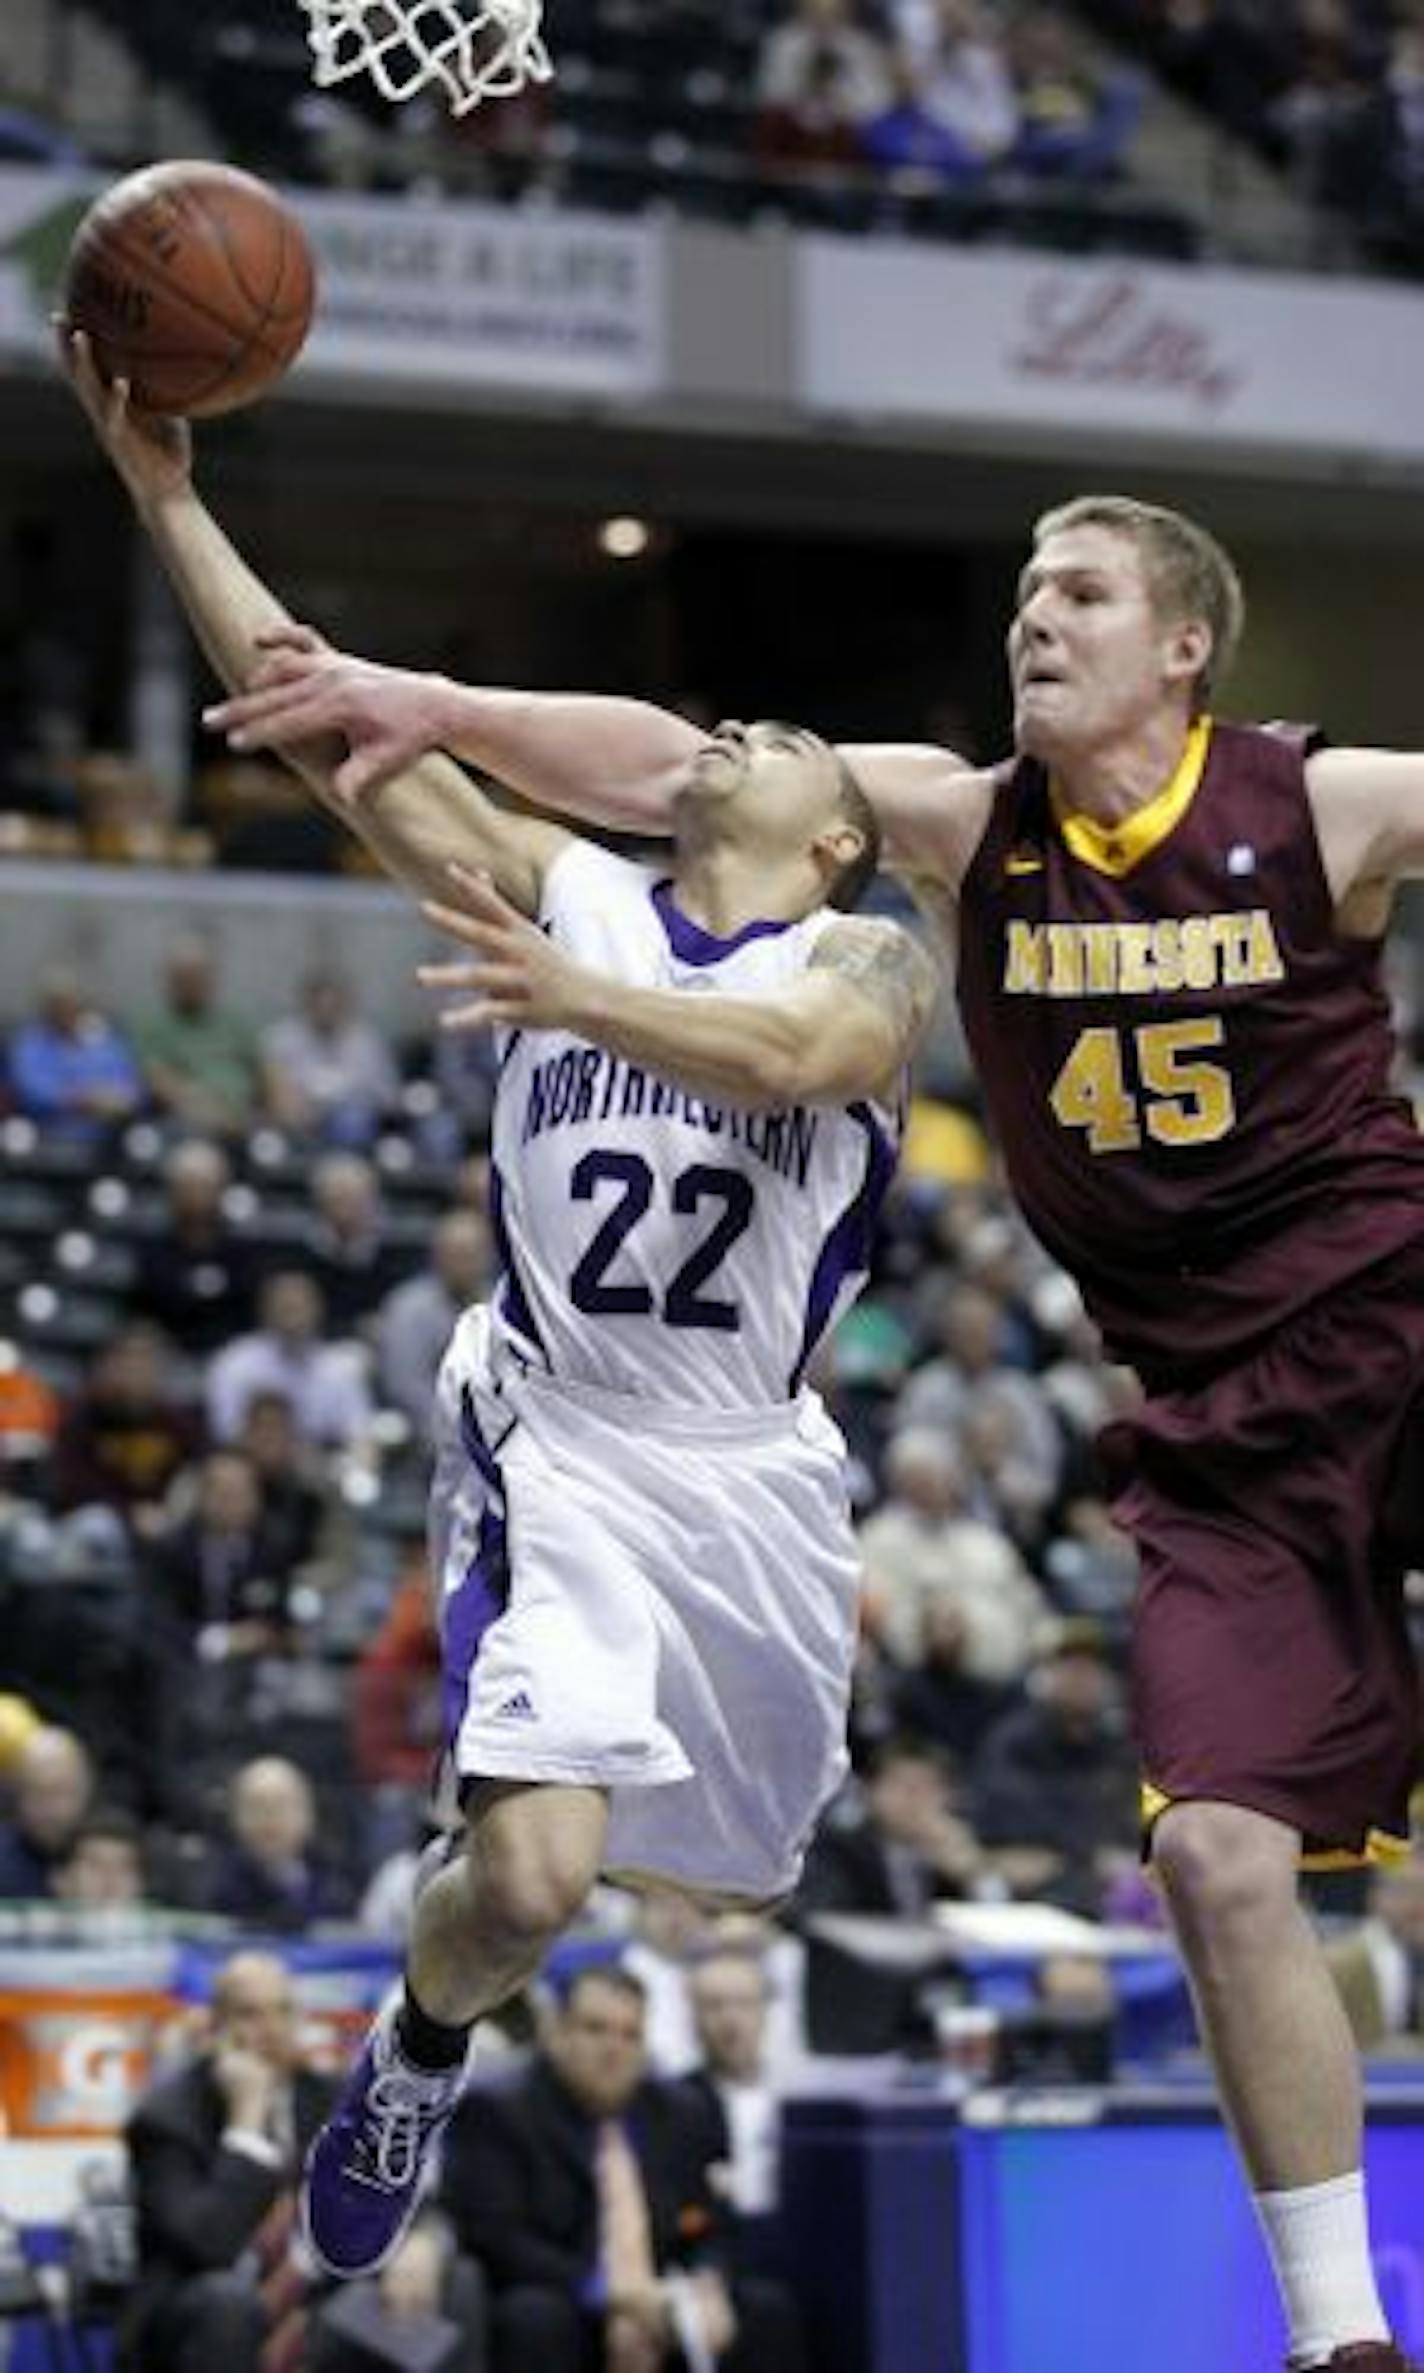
x=364, y=2172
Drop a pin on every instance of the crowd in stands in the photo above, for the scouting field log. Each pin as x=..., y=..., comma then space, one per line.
x=854, y=111
x=890, y=114
x=938, y=92
x=1333, y=90
x=230, y=1263
x=230, y=1337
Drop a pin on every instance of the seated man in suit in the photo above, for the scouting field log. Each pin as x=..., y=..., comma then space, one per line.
x=731, y=2000
x=910, y=1845
x=585, y=2189
x=214, y=2150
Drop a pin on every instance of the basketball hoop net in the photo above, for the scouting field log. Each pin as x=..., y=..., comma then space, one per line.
x=470, y=49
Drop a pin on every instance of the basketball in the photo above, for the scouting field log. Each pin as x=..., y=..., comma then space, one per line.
x=195, y=283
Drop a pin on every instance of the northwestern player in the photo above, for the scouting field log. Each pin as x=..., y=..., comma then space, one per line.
x=640, y=1510
x=1170, y=934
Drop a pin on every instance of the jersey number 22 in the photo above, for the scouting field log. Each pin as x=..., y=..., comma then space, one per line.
x=684, y=1304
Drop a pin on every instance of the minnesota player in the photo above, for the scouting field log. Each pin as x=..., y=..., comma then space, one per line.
x=1170, y=934
x=640, y=1510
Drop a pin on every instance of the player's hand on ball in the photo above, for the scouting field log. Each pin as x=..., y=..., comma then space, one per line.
x=304, y=690
x=515, y=974
x=152, y=454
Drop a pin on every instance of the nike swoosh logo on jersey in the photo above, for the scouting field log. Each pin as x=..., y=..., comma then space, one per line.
x=1023, y=865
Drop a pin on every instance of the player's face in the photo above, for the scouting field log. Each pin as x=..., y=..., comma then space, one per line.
x=774, y=787
x=1091, y=659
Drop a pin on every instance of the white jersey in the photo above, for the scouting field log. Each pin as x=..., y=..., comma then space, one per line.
x=654, y=1243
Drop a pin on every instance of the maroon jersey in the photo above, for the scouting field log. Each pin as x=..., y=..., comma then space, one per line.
x=1186, y=1063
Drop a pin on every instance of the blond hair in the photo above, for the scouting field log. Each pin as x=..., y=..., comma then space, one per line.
x=1189, y=574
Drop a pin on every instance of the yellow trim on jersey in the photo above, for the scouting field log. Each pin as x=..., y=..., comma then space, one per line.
x=1380, y=1845
x=1116, y=848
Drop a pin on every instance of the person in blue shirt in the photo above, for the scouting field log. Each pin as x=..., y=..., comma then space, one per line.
x=70, y=1068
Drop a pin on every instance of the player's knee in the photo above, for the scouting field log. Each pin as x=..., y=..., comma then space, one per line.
x=532, y=1880
x=1223, y=1868
x=1222, y=1865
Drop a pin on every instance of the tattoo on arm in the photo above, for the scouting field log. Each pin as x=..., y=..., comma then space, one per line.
x=886, y=965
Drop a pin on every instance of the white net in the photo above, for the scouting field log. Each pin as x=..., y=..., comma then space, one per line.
x=469, y=49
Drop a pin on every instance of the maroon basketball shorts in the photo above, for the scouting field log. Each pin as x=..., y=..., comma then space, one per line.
x=1276, y=1511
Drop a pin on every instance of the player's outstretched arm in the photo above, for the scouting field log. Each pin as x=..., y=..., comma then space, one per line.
x=594, y=758
x=846, y=1029
x=423, y=817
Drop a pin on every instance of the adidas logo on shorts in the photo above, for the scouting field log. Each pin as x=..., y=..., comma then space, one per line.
x=516, y=1709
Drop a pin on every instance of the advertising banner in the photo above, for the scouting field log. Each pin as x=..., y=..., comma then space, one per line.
x=428, y=293
x=1166, y=354
x=82, y=2034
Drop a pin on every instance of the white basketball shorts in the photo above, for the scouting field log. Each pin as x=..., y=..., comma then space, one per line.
x=658, y=1602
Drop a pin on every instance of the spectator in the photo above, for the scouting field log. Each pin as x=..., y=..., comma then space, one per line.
x=1055, y=1789
x=463, y=1069
x=272, y=1873
x=298, y=1510
x=971, y=1378
x=668, y=1928
x=199, y=1062
x=126, y=1434
x=908, y=1847
x=195, y=1277
x=222, y=1572
x=323, y=1383
x=396, y=1715
x=1072, y=125
x=1012, y=1483
x=948, y=1596
x=966, y=83
x=1403, y=89
x=820, y=77
x=344, y=1249
x=1375, y=167
x=71, y=1068
x=330, y=1075
x=1083, y=1390
x=730, y=2003
x=52, y=1787
x=103, y=1869
x=1325, y=97
x=1379, y=1966
x=214, y=2150
x=909, y=141
x=1091, y=1566
x=416, y=1319
x=671, y=1936
x=584, y=2187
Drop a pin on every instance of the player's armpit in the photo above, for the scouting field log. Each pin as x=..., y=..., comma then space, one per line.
x=892, y=983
